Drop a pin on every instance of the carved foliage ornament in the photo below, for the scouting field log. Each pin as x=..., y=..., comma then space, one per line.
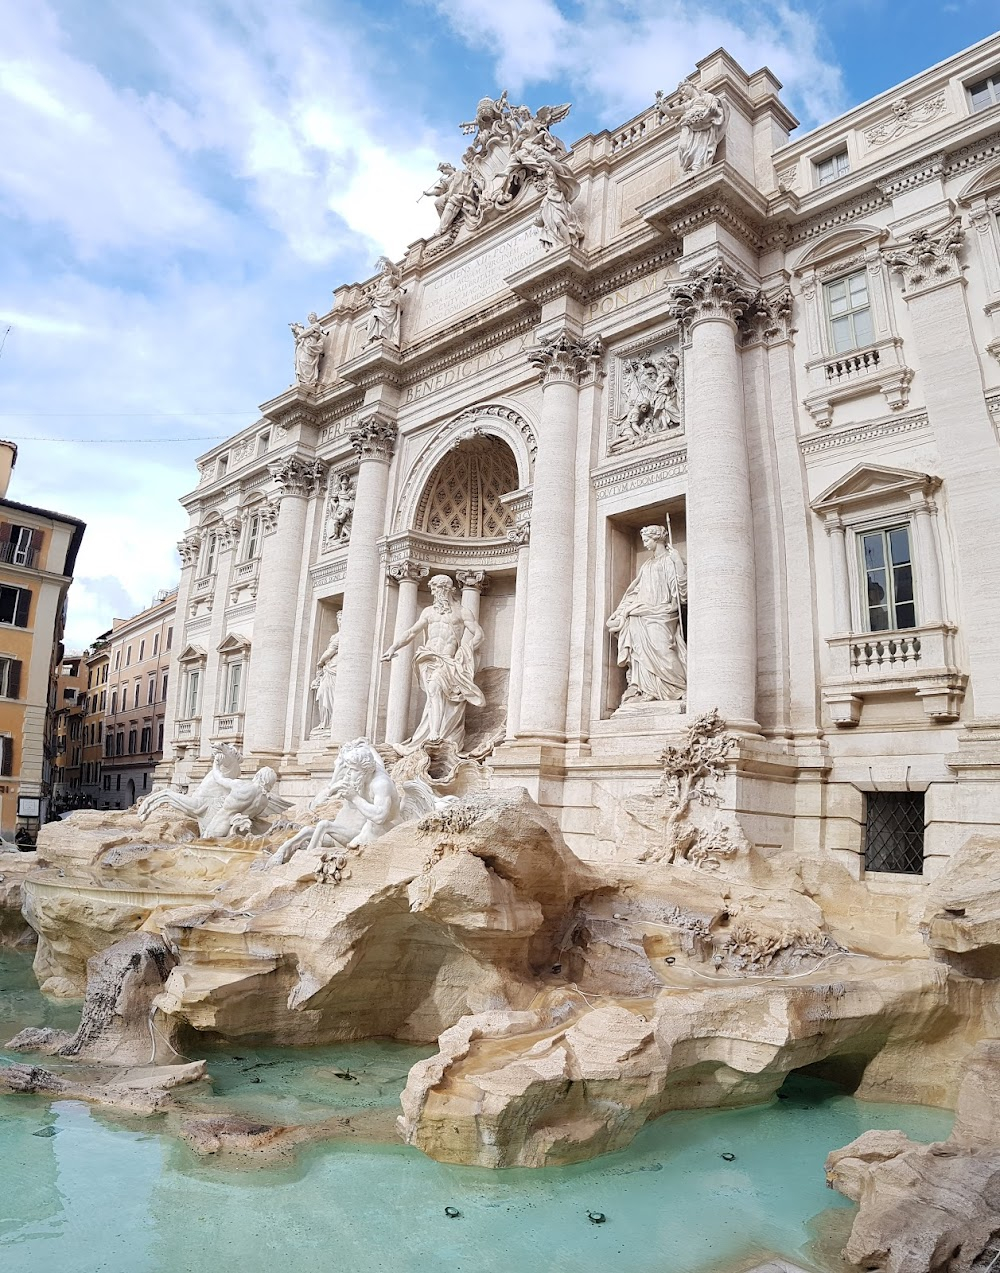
x=929, y=257
x=374, y=439
x=189, y=548
x=297, y=475
x=561, y=357
x=719, y=292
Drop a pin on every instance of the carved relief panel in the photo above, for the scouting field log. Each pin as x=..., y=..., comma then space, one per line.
x=646, y=396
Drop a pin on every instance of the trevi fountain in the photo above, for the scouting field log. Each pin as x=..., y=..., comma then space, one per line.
x=528, y=881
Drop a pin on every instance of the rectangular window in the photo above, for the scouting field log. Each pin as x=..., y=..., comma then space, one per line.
x=142, y=649
x=145, y=781
x=118, y=782
x=159, y=736
x=832, y=168
x=170, y=637
x=109, y=746
x=194, y=680
x=124, y=697
x=10, y=678
x=262, y=441
x=163, y=694
x=233, y=682
x=146, y=741
x=138, y=692
x=104, y=700
x=118, y=659
x=6, y=755
x=133, y=738
x=114, y=702
x=120, y=745
x=222, y=465
x=894, y=832
x=253, y=538
x=107, y=782
x=128, y=655
x=848, y=312
x=151, y=690
x=99, y=731
x=985, y=93
x=888, y=579
x=156, y=644
x=14, y=606
x=211, y=552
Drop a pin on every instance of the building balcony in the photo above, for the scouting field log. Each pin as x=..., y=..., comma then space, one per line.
x=12, y=555
x=837, y=378
x=187, y=731
x=228, y=726
x=919, y=661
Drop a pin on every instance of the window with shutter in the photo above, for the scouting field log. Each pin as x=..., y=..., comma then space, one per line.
x=6, y=755
x=15, y=604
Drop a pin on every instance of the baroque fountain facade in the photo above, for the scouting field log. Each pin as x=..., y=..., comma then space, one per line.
x=589, y=666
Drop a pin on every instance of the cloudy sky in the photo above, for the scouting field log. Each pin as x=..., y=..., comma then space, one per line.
x=181, y=178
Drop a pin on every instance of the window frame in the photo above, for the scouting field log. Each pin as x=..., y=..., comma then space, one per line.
x=837, y=171
x=849, y=314
x=861, y=599
x=991, y=83
x=21, y=606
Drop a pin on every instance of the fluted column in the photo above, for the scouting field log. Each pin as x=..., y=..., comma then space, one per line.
x=473, y=584
x=277, y=604
x=407, y=575
x=722, y=644
x=563, y=363
x=519, y=536
x=374, y=442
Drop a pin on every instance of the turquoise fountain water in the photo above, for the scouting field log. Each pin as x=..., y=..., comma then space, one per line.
x=86, y=1192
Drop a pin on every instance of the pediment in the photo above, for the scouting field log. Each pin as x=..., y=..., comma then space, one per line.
x=235, y=643
x=192, y=654
x=872, y=483
x=986, y=183
x=838, y=243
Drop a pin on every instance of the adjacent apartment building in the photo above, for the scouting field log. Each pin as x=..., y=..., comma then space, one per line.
x=38, y=551
x=97, y=660
x=69, y=705
x=137, y=660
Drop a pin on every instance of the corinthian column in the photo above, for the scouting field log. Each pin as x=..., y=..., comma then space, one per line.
x=563, y=363
x=407, y=574
x=278, y=602
x=374, y=442
x=722, y=625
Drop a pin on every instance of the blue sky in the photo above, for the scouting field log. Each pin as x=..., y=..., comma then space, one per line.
x=179, y=179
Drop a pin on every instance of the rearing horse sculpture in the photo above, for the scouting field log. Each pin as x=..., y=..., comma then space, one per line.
x=204, y=802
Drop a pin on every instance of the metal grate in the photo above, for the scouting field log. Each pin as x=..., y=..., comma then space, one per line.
x=894, y=832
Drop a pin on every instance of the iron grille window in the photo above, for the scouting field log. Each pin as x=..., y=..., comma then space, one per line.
x=894, y=832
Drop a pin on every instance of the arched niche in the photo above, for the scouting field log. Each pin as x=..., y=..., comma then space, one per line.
x=463, y=497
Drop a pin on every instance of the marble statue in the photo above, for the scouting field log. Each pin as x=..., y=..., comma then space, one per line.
x=308, y=350
x=703, y=120
x=454, y=194
x=647, y=622
x=340, y=514
x=204, y=802
x=244, y=803
x=558, y=224
x=373, y=804
x=650, y=397
x=445, y=664
x=386, y=304
x=326, y=676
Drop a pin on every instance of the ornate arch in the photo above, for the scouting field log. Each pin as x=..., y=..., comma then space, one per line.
x=840, y=242
x=491, y=419
x=463, y=498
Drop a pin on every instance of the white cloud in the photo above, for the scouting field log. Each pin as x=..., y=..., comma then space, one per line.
x=620, y=54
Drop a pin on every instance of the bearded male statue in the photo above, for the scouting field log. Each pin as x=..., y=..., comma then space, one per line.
x=445, y=664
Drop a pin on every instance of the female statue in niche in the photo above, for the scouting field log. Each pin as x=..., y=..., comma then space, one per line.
x=648, y=624
x=326, y=676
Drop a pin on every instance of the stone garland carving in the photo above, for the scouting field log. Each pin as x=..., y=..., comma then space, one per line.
x=386, y=304
x=374, y=439
x=703, y=118
x=444, y=665
x=688, y=772
x=650, y=396
x=325, y=681
x=297, y=475
x=647, y=622
x=929, y=258
x=309, y=343
x=340, y=510
x=511, y=150
x=905, y=117
x=561, y=357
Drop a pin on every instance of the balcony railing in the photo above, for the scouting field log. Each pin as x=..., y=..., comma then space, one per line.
x=229, y=725
x=899, y=653
x=14, y=556
x=186, y=730
x=850, y=365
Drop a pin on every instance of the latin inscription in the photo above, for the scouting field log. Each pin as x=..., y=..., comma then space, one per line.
x=476, y=280
x=626, y=296
x=466, y=370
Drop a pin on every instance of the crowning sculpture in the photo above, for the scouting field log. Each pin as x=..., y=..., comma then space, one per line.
x=386, y=304
x=511, y=150
x=647, y=622
x=703, y=118
x=309, y=342
x=445, y=665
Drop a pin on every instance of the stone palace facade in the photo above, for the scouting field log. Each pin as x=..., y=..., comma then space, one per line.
x=692, y=417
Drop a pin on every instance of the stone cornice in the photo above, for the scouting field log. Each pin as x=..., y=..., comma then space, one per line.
x=378, y=364
x=862, y=434
x=638, y=470
x=562, y=273
x=718, y=193
x=449, y=554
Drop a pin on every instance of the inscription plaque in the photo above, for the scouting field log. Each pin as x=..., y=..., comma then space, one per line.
x=476, y=280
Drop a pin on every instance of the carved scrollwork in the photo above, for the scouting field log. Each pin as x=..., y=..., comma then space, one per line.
x=928, y=258
x=521, y=533
x=718, y=292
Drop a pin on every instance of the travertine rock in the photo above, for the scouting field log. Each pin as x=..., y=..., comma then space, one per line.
x=14, y=928
x=117, y=1025
x=144, y=1090
x=962, y=917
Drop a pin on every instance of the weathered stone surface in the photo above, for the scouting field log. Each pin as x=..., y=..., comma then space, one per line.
x=144, y=1090
x=962, y=917
x=14, y=928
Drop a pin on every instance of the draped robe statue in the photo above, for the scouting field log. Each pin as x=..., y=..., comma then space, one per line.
x=648, y=624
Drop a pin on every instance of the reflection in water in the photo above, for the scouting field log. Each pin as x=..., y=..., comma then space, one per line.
x=118, y=1196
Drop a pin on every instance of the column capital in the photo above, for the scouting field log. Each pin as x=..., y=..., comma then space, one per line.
x=477, y=579
x=407, y=571
x=269, y=515
x=563, y=357
x=714, y=293
x=768, y=317
x=375, y=439
x=928, y=259
x=297, y=475
x=188, y=548
x=229, y=531
x=521, y=533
